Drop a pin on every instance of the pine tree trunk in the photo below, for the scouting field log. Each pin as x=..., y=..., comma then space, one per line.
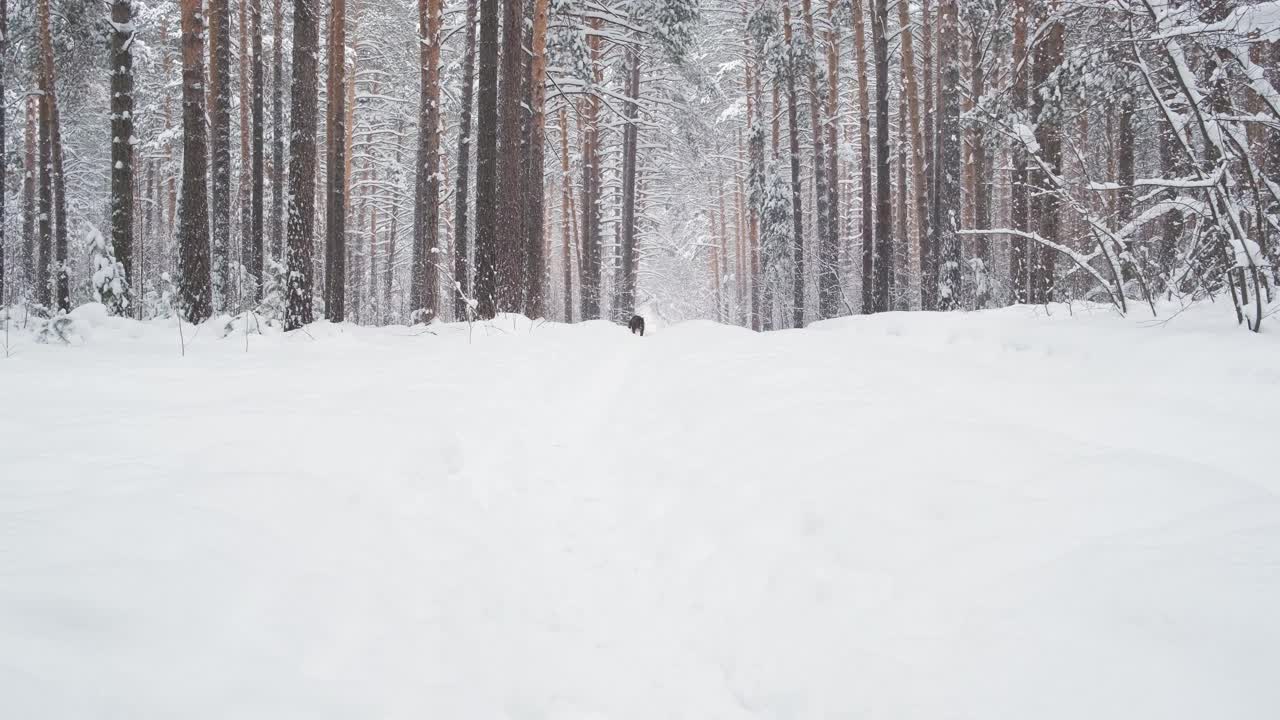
x=916, y=141
x=590, y=248
x=722, y=252
x=195, y=284
x=864, y=155
x=219, y=31
x=29, y=212
x=51, y=124
x=1019, y=265
x=1172, y=224
x=277, y=131
x=335, y=245
x=797, y=209
x=535, y=269
x=751, y=264
x=566, y=217
x=630, y=140
x=245, y=189
x=511, y=237
x=821, y=193
x=902, y=248
x=254, y=244
x=947, y=210
x=487, y=163
x=1048, y=56
x=740, y=238
x=166, y=69
x=154, y=212
x=4, y=49
x=426, y=210
x=884, y=209
x=388, y=280
x=460, y=238
x=928, y=192
x=302, y=164
x=44, y=288
x=121, y=134
x=981, y=178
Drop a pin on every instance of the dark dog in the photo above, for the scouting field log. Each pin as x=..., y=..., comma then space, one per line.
x=636, y=325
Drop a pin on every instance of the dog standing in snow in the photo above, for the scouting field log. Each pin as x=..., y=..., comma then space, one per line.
x=636, y=325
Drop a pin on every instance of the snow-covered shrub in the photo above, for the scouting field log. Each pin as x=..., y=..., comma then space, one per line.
x=109, y=284
x=246, y=323
x=162, y=301
x=61, y=328
x=274, y=284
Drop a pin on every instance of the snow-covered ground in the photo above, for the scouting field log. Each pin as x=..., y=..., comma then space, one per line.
x=999, y=515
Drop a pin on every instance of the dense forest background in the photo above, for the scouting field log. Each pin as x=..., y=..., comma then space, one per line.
x=760, y=162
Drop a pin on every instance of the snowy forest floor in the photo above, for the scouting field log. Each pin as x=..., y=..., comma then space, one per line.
x=1000, y=515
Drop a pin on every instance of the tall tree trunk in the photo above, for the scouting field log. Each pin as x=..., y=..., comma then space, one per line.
x=864, y=156
x=535, y=268
x=195, y=285
x=166, y=67
x=1048, y=56
x=739, y=243
x=254, y=244
x=154, y=213
x=51, y=124
x=462, y=290
x=797, y=208
x=1019, y=266
x=487, y=164
x=566, y=217
x=902, y=249
x=751, y=255
x=722, y=252
x=335, y=245
x=981, y=179
x=246, y=156
x=426, y=208
x=4, y=49
x=121, y=135
x=277, y=130
x=1172, y=224
x=29, y=212
x=388, y=281
x=884, y=208
x=928, y=193
x=511, y=239
x=1125, y=175
x=219, y=31
x=302, y=164
x=821, y=194
x=829, y=251
x=590, y=249
x=916, y=140
x=630, y=140
x=44, y=287
x=947, y=210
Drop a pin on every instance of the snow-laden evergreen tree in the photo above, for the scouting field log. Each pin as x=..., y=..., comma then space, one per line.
x=776, y=245
x=110, y=282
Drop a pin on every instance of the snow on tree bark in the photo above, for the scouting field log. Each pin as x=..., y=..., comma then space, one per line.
x=122, y=139
x=487, y=163
x=219, y=34
x=461, y=241
x=426, y=212
x=195, y=283
x=302, y=165
x=947, y=208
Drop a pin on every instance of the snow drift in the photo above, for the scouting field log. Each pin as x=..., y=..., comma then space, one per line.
x=993, y=515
